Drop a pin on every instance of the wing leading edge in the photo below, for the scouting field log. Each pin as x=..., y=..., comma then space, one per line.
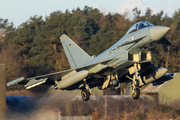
x=52, y=78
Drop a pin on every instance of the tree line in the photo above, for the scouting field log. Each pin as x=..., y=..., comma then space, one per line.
x=34, y=48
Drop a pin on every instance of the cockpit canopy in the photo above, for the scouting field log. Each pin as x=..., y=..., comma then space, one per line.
x=138, y=26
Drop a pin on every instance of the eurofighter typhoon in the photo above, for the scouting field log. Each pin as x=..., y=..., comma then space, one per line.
x=128, y=60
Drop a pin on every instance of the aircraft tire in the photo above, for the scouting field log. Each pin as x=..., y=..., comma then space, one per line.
x=136, y=94
x=85, y=94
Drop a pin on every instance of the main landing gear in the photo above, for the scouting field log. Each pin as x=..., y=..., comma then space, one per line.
x=85, y=94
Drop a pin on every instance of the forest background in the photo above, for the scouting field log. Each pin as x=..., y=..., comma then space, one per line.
x=34, y=48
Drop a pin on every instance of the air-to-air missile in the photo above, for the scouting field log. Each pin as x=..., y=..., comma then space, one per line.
x=153, y=75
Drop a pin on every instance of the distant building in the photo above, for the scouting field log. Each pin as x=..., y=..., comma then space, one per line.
x=167, y=93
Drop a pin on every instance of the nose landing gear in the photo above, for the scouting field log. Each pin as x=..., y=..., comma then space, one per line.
x=136, y=93
x=136, y=83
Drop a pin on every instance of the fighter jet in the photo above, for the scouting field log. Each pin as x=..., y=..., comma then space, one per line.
x=128, y=60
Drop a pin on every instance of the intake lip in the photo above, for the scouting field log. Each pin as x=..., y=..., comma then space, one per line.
x=157, y=32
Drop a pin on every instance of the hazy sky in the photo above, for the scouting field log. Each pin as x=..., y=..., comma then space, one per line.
x=19, y=11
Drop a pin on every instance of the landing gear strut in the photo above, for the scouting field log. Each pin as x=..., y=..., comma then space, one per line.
x=135, y=89
x=135, y=84
x=85, y=94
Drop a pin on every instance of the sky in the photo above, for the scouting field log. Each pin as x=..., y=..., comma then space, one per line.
x=19, y=11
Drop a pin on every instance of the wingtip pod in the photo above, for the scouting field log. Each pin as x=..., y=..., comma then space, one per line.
x=63, y=36
x=16, y=81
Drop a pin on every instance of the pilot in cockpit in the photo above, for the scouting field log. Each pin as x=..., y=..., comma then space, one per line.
x=138, y=26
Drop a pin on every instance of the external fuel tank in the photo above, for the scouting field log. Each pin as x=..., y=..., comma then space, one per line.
x=71, y=80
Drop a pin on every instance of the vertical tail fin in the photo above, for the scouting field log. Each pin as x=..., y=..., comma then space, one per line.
x=76, y=56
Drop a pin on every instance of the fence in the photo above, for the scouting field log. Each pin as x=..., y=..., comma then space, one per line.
x=70, y=118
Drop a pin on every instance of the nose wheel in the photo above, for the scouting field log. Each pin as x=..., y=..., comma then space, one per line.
x=136, y=93
x=136, y=82
x=85, y=94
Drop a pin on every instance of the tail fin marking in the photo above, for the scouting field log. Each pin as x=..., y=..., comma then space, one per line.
x=75, y=55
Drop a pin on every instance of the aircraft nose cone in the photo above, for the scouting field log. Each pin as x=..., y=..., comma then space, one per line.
x=157, y=32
